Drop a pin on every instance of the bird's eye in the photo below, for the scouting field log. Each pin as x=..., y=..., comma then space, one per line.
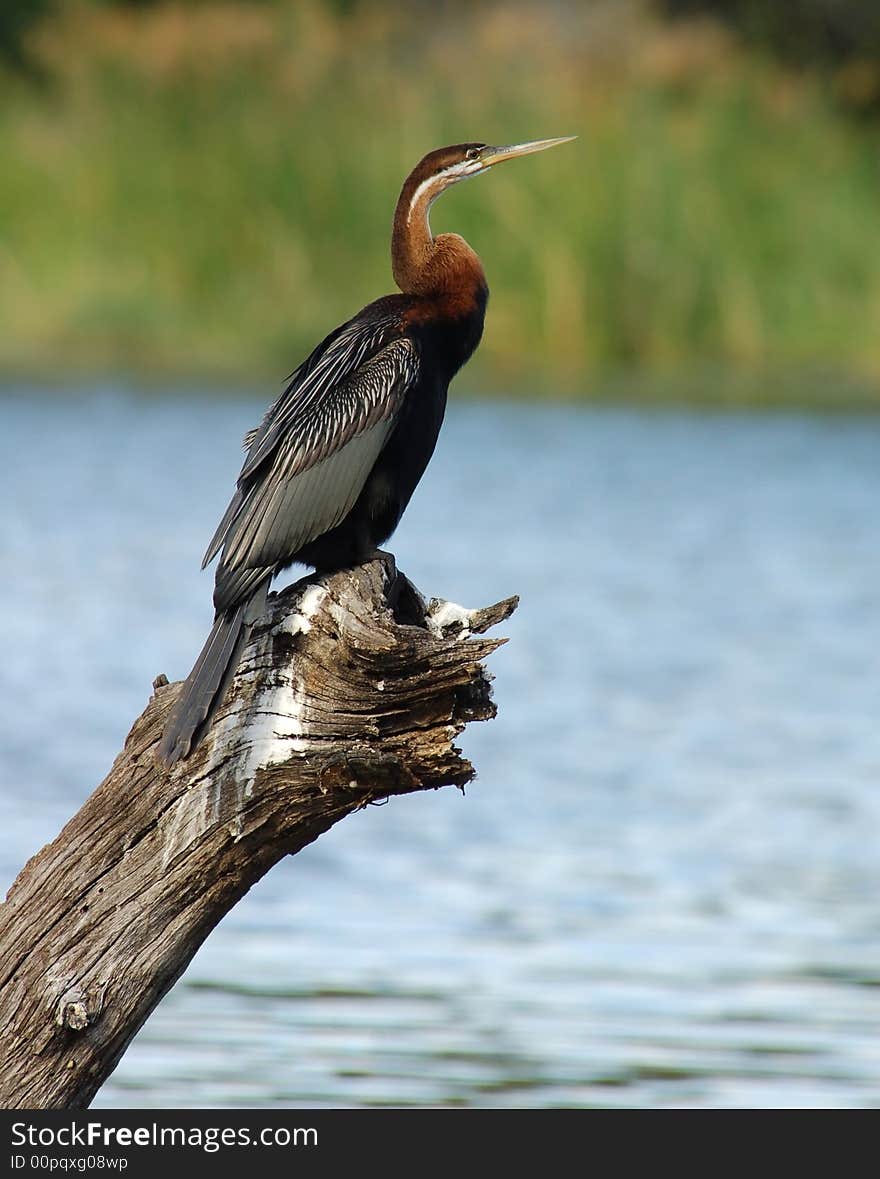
x=473, y=153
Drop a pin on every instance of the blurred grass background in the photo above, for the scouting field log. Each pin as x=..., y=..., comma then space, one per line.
x=205, y=189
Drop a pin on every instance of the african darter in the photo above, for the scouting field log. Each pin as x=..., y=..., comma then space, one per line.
x=334, y=463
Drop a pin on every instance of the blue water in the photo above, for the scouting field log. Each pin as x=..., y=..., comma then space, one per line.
x=661, y=891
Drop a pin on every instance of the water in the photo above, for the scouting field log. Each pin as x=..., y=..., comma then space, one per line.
x=663, y=888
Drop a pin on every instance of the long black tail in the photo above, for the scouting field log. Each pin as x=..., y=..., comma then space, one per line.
x=206, y=684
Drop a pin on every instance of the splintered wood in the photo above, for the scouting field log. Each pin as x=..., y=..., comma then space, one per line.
x=352, y=689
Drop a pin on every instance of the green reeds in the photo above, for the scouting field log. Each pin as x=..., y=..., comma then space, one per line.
x=207, y=191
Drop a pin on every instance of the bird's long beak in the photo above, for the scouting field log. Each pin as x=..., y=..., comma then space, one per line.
x=496, y=155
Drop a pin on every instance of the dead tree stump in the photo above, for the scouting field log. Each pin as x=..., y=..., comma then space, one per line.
x=352, y=689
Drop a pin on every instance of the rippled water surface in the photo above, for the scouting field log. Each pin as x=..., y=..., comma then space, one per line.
x=664, y=887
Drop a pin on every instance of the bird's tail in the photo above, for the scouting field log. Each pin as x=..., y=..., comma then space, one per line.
x=206, y=684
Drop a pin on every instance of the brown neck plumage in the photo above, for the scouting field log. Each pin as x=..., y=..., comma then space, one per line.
x=444, y=266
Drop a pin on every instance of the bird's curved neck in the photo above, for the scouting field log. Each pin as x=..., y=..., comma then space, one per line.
x=422, y=264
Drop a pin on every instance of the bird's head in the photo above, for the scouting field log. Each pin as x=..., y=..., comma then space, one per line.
x=413, y=249
x=447, y=165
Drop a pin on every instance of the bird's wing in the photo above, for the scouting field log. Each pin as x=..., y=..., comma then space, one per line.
x=310, y=458
x=335, y=359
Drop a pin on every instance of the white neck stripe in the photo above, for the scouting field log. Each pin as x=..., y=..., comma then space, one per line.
x=417, y=196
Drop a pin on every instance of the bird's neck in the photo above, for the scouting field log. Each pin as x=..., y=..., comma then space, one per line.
x=443, y=267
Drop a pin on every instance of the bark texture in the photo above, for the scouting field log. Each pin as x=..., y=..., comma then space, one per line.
x=351, y=690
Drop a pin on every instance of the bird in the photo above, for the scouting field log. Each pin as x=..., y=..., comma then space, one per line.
x=331, y=468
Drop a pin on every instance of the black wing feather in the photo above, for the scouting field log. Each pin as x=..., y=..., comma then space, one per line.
x=309, y=474
x=303, y=416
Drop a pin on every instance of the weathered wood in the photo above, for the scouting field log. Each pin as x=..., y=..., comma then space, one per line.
x=350, y=691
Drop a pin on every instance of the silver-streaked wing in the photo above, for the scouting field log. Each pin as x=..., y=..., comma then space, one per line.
x=325, y=370
x=320, y=379
x=311, y=476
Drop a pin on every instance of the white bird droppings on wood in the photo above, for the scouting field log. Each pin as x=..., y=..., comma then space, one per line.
x=449, y=619
x=266, y=720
